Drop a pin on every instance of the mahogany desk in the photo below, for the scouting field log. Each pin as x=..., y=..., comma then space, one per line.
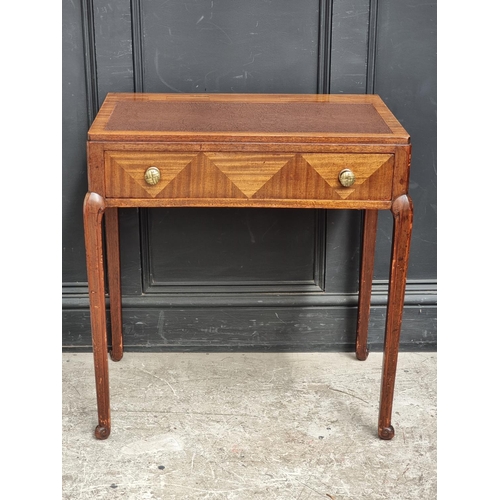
x=253, y=150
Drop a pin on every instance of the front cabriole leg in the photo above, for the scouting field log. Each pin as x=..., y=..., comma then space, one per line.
x=93, y=210
x=402, y=210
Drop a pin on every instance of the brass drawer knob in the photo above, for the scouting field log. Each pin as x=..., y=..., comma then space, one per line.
x=347, y=178
x=152, y=176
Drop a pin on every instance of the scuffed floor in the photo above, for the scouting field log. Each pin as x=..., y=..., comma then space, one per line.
x=249, y=426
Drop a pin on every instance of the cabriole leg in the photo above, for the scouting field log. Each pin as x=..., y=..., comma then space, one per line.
x=402, y=211
x=93, y=210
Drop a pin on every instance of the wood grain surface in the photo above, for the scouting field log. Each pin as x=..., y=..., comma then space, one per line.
x=249, y=176
x=247, y=117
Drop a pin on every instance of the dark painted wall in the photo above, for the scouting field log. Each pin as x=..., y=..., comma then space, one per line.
x=201, y=279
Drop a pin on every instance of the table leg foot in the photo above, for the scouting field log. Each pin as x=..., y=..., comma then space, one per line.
x=362, y=354
x=116, y=356
x=386, y=432
x=102, y=432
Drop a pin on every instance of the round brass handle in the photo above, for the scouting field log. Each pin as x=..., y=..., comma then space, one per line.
x=152, y=176
x=347, y=178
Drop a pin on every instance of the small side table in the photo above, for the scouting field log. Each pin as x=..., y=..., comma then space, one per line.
x=246, y=150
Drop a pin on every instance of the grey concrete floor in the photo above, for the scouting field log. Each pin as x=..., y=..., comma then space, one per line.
x=249, y=426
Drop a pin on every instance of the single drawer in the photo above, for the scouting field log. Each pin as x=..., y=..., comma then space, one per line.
x=249, y=176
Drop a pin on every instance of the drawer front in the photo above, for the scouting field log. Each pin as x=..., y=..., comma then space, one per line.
x=248, y=176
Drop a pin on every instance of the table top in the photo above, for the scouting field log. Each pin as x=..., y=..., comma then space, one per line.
x=327, y=118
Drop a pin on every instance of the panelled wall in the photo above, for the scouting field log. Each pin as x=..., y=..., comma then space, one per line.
x=250, y=279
